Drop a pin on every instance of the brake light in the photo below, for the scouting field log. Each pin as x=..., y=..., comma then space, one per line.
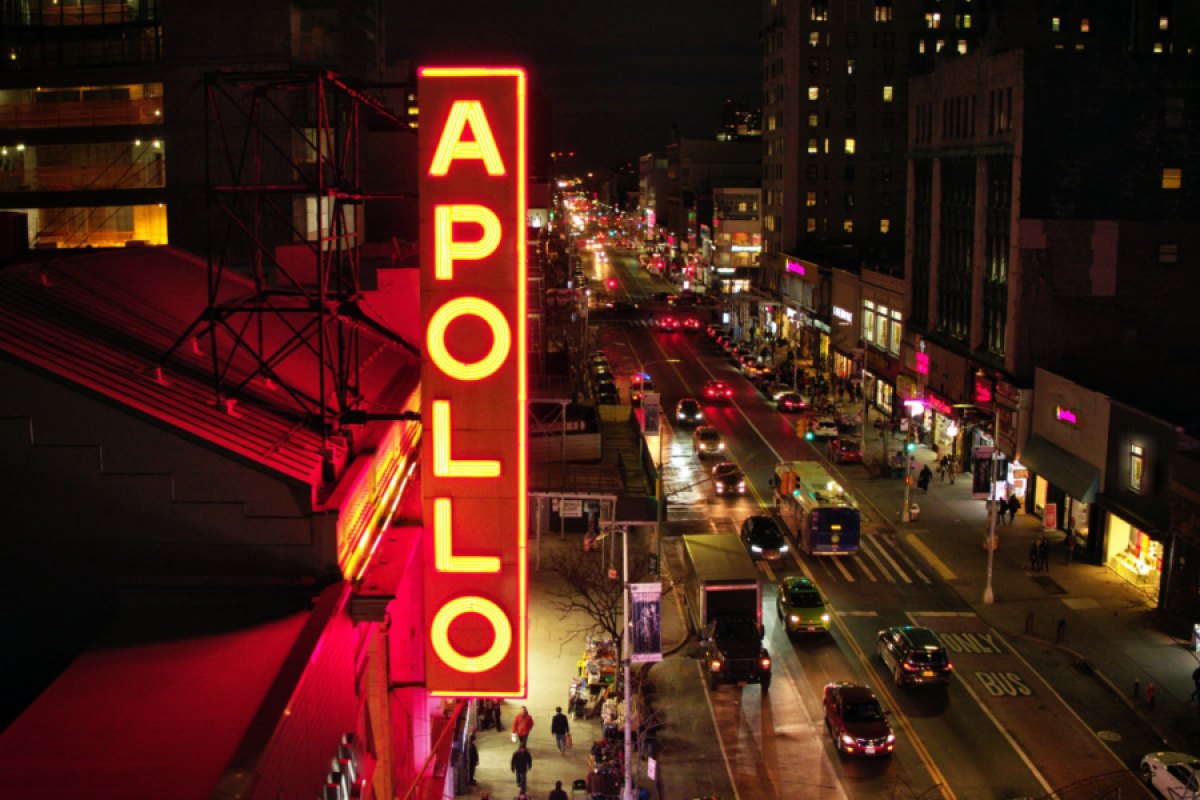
x=766, y=663
x=715, y=665
x=910, y=667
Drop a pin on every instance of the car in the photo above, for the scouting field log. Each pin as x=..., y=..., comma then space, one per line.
x=824, y=428
x=605, y=385
x=738, y=352
x=601, y=373
x=607, y=395
x=715, y=329
x=688, y=411
x=707, y=441
x=844, y=451
x=762, y=537
x=661, y=296
x=685, y=299
x=638, y=386
x=728, y=479
x=777, y=388
x=717, y=390
x=790, y=402
x=801, y=607
x=856, y=722
x=1173, y=775
x=763, y=377
x=691, y=325
x=914, y=655
x=722, y=340
x=668, y=324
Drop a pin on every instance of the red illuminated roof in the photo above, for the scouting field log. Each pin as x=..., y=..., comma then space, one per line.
x=103, y=320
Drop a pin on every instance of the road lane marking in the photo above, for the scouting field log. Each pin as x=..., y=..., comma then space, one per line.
x=712, y=714
x=938, y=565
x=883, y=551
x=865, y=550
x=912, y=565
x=837, y=560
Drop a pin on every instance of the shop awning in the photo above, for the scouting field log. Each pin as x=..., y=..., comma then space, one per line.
x=1072, y=474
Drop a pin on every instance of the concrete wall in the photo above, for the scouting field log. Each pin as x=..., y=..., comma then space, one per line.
x=1088, y=437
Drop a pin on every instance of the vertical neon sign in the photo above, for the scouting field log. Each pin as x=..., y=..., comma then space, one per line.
x=472, y=158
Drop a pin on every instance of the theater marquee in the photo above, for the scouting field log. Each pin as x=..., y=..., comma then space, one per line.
x=472, y=204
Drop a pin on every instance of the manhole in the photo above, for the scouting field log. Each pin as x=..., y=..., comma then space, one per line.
x=1048, y=583
x=1109, y=736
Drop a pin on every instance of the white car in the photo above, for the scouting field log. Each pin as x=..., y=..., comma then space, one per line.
x=1173, y=775
x=825, y=428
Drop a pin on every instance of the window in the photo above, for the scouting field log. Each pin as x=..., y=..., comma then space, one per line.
x=850, y=65
x=814, y=120
x=1163, y=23
x=810, y=225
x=810, y=199
x=848, y=225
x=820, y=12
x=961, y=47
x=1137, y=467
x=889, y=66
x=848, y=172
x=888, y=94
x=812, y=146
x=814, y=93
x=868, y=321
x=885, y=225
x=1056, y=24
x=814, y=39
x=881, y=328
x=849, y=199
x=1168, y=253
x=897, y=333
x=814, y=66
x=964, y=21
x=810, y=172
x=850, y=146
x=883, y=13
x=851, y=38
x=851, y=120
x=851, y=92
x=1172, y=178
x=885, y=121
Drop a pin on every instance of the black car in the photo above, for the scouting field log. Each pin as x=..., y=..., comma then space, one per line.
x=914, y=655
x=607, y=395
x=728, y=479
x=762, y=537
x=688, y=411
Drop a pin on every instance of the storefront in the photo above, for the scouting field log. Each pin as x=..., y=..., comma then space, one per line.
x=1064, y=489
x=880, y=381
x=1133, y=554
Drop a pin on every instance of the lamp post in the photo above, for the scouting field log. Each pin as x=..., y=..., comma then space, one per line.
x=659, y=495
x=988, y=596
x=914, y=407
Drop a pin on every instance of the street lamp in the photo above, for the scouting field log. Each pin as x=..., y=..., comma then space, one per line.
x=988, y=596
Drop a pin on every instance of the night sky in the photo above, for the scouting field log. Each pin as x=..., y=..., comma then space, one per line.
x=616, y=74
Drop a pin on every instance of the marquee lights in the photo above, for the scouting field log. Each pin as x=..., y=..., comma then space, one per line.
x=472, y=163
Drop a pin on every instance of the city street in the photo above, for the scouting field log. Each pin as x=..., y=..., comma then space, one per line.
x=997, y=730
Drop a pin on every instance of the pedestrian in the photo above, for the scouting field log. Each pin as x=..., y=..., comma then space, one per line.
x=1033, y=557
x=1014, y=505
x=1043, y=554
x=472, y=759
x=1070, y=543
x=951, y=468
x=521, y=763
x=557, y=792
x=925, y=477
x=942, y=468
x=561, y=728
x=497, y=705
x=522, y=725
x=1196, y=682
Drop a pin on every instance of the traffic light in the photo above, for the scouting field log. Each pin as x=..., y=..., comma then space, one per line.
x=612, y=283
x=809, y=435
x=910, y=445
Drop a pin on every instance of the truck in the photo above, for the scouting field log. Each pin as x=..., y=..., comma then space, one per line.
x=825, y=519
x=723, y=590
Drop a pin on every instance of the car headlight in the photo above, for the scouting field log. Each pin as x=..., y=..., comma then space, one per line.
x=703, y=447
x=755, y=548
x=783, y=548
x=742, y=486
x=847, y=740
x=720, y=488
x=891, y=738
x=721, y=446
x=793, y=618
x=824, y=618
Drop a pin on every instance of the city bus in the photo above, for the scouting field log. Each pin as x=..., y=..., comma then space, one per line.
x=823, y=516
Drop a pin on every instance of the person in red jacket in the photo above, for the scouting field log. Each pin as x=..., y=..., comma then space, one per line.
x=522, y=725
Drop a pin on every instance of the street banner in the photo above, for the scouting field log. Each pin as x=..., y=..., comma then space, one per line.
x=645, y=619
x=981, y=473
x=1050, y=517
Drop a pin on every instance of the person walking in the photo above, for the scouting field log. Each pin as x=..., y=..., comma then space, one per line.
x=521, y=763
x=557, y=793
x=522, y=725
x=1014, y=505
x=472, y=759
x=924, y=478
x=1070, y=544
x=1196, y=683
x=943, y=468
x=1043, y=554
x=561, y=728
x=1033, y=557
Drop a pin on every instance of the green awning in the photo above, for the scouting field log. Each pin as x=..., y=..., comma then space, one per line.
x=1072, y=474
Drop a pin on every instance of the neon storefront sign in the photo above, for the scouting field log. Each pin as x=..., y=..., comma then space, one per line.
x=1067, y=415
x=472, y=216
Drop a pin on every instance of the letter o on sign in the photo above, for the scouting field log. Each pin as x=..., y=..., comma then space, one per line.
x=440, y=634
x=435, y=338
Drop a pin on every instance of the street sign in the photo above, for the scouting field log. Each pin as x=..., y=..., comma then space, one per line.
x=570, y=508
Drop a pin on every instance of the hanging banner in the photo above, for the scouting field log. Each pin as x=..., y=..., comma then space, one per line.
x=645, y=619
x=1050, y=516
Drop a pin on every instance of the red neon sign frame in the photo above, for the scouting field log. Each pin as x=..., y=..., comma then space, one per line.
x=471, y=148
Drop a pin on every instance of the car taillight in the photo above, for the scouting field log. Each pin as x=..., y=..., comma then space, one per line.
x=715, y=665
x=766, y=663
x=910, y=667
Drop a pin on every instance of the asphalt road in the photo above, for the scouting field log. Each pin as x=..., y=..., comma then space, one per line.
x=1002, y=729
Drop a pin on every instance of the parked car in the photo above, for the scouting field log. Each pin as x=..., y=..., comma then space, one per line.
x=790, y=402
x=856, y=722
x=825, y=428
x=776, y=388
x=691, y=325
x=844, y=451
x=728, y=479
x=801, y=607
x=717, y=390
x=762, y=537
x=706, y=440
x=1173, y=775
x=668, y=324
x=715, y=329
x=914, y=655
x=688, y=411
x=607, y=395
x=763, y=377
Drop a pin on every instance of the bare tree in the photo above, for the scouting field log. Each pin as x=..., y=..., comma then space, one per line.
x=589, y=588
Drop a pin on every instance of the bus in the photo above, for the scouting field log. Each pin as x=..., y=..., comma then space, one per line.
x=823, y=516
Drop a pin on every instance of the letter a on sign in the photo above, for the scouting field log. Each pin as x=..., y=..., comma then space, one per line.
x=471, y=149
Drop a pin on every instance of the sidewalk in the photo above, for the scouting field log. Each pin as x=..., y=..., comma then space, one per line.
x=1104, y=626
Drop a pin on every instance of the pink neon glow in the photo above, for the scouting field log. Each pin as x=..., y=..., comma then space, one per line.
x=796, y=267
x=1065, y=415
x=923, y=363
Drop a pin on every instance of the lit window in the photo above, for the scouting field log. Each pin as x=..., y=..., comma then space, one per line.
x=810, y=199
x=1163, y=23
x=938, y=45
x=1085, y=25
x=1172, y=178
x=850, y=64
x=1168, y=253
x=812, y=146
x=826, y=145
x=850, y=146
x=883, y=13
x=897, y=333
x=1137, y=467
x=885, y=225
x=888, y=94
x=921, y=46
x=820, y=13
x=965, y=23
x=814, y=120
x=1055, y=24
x=962, y=47
x=933, y=19
x=1158, y=48
x=848, y=225
x=814, y=39
x=814, y=93
x=810, y=225
x=868, y=322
